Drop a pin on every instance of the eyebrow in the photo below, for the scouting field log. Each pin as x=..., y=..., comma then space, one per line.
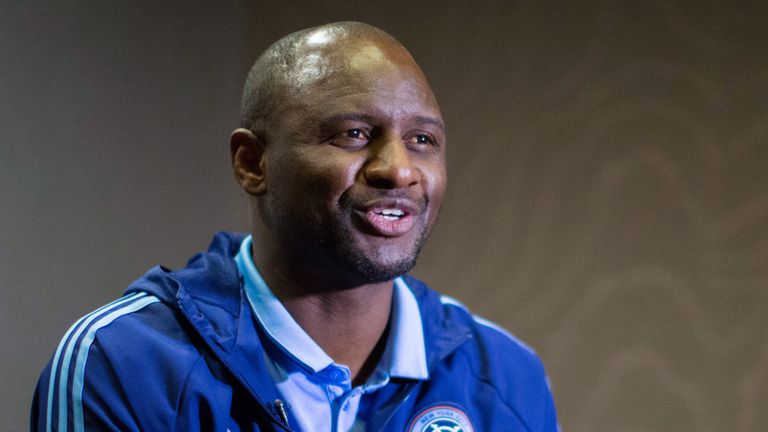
x=347, y=116
x=430, y=120
x=371, y=119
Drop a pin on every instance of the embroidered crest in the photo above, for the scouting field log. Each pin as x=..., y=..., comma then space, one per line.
x=441, y=418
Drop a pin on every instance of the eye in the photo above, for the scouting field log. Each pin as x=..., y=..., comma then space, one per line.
x=355, y=133
x=351, y=139
x=422, y=139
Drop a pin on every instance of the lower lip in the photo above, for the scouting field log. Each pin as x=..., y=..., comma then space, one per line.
x=389, y=228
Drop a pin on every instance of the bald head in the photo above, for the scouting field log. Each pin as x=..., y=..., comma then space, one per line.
x=339, y=122
x=313, y=57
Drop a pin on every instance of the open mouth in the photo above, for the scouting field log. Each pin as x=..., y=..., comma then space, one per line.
x=388, y=219
x=391, y=214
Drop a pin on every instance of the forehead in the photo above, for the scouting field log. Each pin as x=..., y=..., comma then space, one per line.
x=364, y=73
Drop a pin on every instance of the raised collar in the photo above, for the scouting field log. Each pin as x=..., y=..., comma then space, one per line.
x=405, y=352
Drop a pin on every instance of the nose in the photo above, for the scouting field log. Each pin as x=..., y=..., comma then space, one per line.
x=389, y=165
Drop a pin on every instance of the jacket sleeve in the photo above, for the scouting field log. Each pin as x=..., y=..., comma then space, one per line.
x=79, y=396
x=129, y=367
x=112, y=371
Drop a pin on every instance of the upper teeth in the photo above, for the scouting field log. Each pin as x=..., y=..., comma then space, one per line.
x=392, y=212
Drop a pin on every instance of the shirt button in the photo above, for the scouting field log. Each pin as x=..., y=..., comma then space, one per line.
x=335, y=375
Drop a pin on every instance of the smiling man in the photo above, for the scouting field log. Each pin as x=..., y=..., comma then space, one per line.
x=309, y=322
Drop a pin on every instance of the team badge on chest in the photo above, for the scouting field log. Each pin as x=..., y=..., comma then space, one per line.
x=441, y=418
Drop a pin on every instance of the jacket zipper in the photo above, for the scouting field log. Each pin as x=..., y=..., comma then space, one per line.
x=281, y=413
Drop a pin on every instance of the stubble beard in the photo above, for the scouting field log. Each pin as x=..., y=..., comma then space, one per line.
x=377, y=266
x=325, y=252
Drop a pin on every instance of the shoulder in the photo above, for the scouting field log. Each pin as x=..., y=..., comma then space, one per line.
x=494, y=351
x=500, y=350
x=133, y=364
x=138, y=327
x=513, y=369
x=489, y=362
x=128, y=356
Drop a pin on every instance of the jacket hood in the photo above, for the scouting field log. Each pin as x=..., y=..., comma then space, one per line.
x=213, y=268
x=207, y=290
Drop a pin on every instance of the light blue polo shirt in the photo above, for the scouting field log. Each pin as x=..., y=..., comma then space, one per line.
x=317, y=391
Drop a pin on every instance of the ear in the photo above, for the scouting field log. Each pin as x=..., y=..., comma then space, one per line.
x=248, y=161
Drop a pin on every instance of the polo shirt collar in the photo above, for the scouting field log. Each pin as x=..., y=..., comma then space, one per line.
x=404, y=355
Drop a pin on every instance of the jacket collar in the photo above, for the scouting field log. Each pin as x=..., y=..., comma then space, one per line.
x=443, y=332
x=223, y=318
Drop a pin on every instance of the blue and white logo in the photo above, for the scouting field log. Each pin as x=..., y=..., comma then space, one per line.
x=441, y=418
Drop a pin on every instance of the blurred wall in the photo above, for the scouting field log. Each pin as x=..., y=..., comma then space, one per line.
x=608, y=186
x=114, y=156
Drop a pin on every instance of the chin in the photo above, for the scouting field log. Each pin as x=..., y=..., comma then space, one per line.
x=372, y=272
x=370, y=259
x=383, y=265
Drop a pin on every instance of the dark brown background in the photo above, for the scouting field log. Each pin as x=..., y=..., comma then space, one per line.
x=608, y=186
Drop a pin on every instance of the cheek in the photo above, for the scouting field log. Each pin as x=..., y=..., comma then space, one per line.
x=436, y=179
x=326, y=172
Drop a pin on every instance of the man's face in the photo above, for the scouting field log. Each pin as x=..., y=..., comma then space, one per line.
x=355, y=164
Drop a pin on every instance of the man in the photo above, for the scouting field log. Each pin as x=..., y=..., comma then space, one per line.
x=307, y=324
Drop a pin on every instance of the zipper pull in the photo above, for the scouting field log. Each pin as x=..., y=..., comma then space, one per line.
x=280, y=408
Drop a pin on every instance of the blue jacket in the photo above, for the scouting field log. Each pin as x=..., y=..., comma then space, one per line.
x=182, y=351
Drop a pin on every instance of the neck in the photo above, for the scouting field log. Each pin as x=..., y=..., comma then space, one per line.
x=348, y=323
